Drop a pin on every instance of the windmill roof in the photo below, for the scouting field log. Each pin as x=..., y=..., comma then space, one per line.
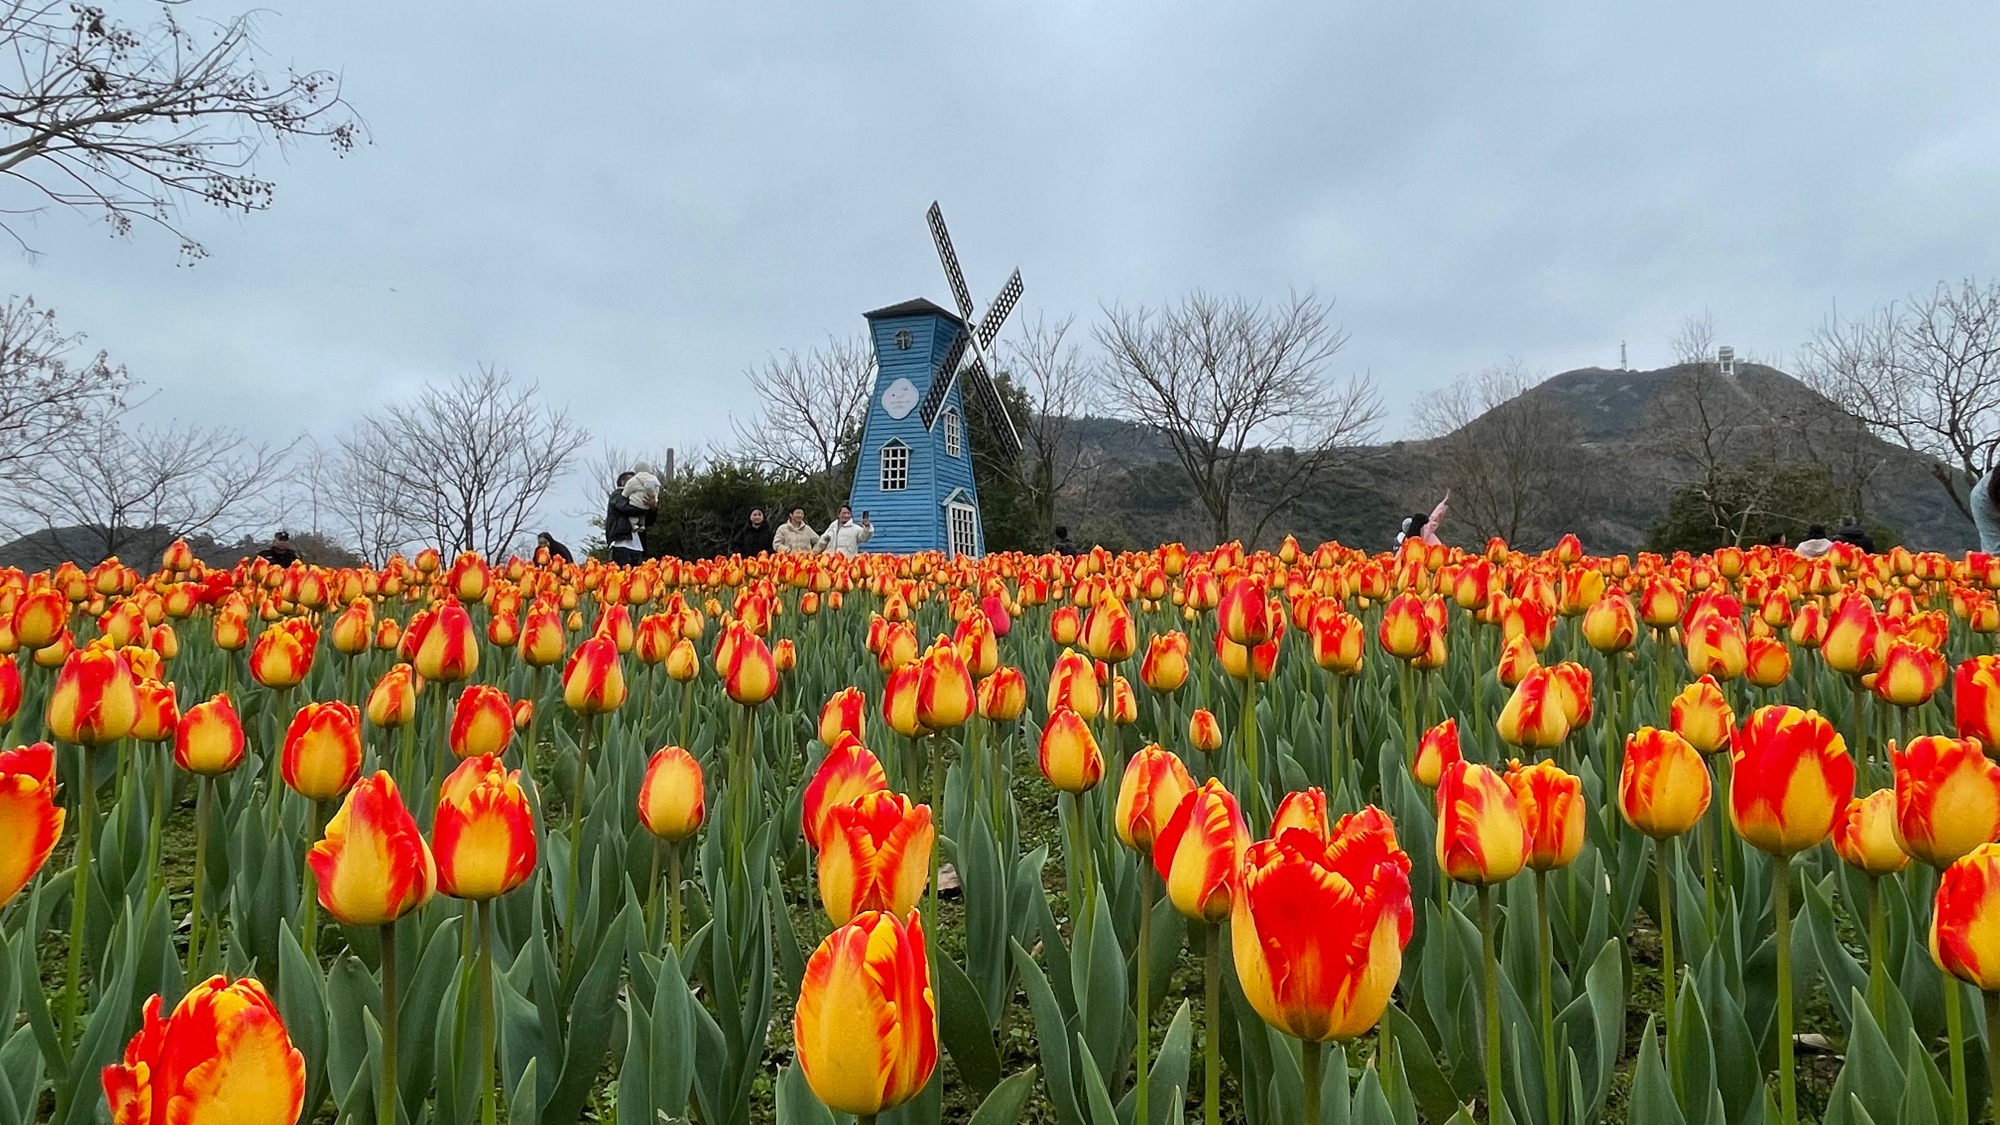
x=916, y=306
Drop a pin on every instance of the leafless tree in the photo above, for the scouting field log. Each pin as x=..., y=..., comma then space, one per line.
x=809, y=426
x=1049, y=368
x=51, y=396
x=466, y=465
x=1238, y=392
x=145, y=483
x=1512, y=458
x=356, y=497
x=1924, y=375
x=1693, y=340
x=135, y=120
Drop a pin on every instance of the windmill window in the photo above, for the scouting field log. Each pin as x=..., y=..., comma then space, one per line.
x=964, y=527
x=954, y=439
x=895, y=467
x=904, y=339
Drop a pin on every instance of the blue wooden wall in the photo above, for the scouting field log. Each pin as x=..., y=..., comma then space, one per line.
x=913, y=519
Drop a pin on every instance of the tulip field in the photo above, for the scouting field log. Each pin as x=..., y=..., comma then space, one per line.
x=1309, y=836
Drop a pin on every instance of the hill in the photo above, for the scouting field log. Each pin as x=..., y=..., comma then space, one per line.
x=1630, y=437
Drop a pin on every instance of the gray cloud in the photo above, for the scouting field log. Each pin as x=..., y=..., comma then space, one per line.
x=634, y=204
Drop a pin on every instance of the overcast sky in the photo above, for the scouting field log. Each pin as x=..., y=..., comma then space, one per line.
x=633, y=202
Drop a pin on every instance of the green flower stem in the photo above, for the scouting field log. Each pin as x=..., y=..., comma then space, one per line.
x=1954, y=1023
x=1663, y=855
x=487, y=1099
x=79, y=913
x=1878, y=952
x=1992, y=1049
x=204, y=797
x=1333, y=752
x=652, y=913
x=576, y=828
x=1211, y=1013
x=1788, y=1091
x=1258, y=814
x=1141, y=1094
x=163, y=795
x=308, y=883
x=1314, y=1061
x=674, y=897
x=534, y=723
x=1546, y=943
x=1494, y=1114
x=387, y=1116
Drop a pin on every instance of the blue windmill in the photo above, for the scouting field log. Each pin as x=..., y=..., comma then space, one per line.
x=914, y=477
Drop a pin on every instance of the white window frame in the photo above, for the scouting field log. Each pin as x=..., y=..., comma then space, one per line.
x=952, y=513
x=954, y=435
x=894, y=460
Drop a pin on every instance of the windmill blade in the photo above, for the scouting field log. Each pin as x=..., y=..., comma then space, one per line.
x=996, y=313
x=952, y=274
x=981, y=383
x=942, y=380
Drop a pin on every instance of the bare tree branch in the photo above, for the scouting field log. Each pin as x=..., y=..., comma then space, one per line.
x=813, y=405
x=50, y=398
x=135, y=120
x=1510, y=457
x=1237, y=392
x=1049, y=368
x=465, y=467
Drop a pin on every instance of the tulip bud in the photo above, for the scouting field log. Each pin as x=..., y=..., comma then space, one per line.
x=373, y=866
x=1436, y=751
x=283, y=653
x=1791, y=777
x=208, y=740
x=1664, y=786
x=482, y=724
x=1405, y=630
x=1069, y=756
x=866, y=1025
x=671, y=795
x=749, y=674
x=1244, y=616
x=484, y=834
x=393, y=702
x=95, y=699
x=945, y=693
x=1152, y=788
x=541, y=643
x=1303, y=809
x=1073, y=686
x=1769, y=662
x=354, y=629
x=1165, y=668
x=447, y=650
x=1865, y=835
x=875, y=855
x=1535, y=716
x=1204, y=732
x=1700, y=714
x=1003, y=695
x=1199, y=851
x=30, y=820
x=1910, y=674
x=1849, y=644
x=594, y=680
x=1947, y=798
x=1481, y=835
x=1551, y=802
x=322, y=752
x=223, y=1055
x=845, y=713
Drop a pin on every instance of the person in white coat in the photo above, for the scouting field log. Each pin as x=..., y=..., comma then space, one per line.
x=843, y=536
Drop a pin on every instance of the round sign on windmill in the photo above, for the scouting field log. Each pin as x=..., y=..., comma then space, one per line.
x=915, y=470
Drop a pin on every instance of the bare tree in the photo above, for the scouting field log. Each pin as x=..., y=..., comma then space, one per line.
x=809, y=426
x=356, y=498
x=1048, y=367
x=149, y=484
x=51, y=397
x=1924, y=375
x=1238, y=393
x=1510, y=457
x=1693, y=340
x=97, y=114
x=466, y=466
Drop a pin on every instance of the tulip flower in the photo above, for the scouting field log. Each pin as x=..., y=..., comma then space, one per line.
x=1436, y=751
x=1551, y=804
x=1910, y=674
x=946, y=697
x=848, y=771
x=875, y=855
x=95, y=699
x=159, y=712
x=899, y=701
x=1069, y=756
x=1715, y=646
x=541, y=643
x=1865, y=835
x=1572, y=683
x=1303, y=809
x=594, y=679
x=483, y=837
x=846, y=712
x=1975, y=699
x=866, y=1023
x=321, y=758
x=283, y=654
x=1003, y=695
x=208, y=740
x=1947, y=798
x=1850, y=641
x=1536, y=715
x=373, y=865
x=749, y=672
x=1482, y=837
x=1791, y=779
x=354, y=630
x=1243, y=615
x=1073, y=686
x=1199, y=852
x=1405, y=630
x=1108, y=632
x=1965, y=924
x=1204, y=731
x=1769, y=662
x=223, y=1055
x=671, y=794
x=682, y=663
x=1700, y=714
x=1155, y=781
x=30, y=820
x=40, y=617
x=482, y=724
x=393, y=702
x=1664, y=787
x=447, y=649
x=1165, y=668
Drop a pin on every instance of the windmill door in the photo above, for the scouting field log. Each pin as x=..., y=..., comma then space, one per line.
x=962, y=522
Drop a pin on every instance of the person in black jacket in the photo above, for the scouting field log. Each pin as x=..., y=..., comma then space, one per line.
x=1851, y=531
x=625, y=525
x=557, y=551
x=754, y=537
x=280, y=552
